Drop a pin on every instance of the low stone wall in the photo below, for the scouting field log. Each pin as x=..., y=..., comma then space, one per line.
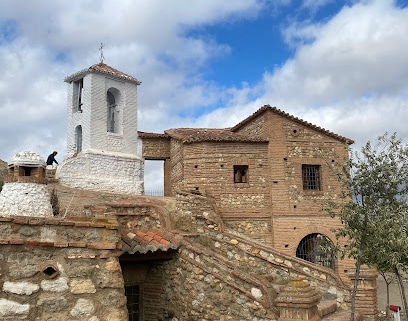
x=60, y=270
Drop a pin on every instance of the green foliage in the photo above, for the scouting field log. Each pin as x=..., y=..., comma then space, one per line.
x=374, y=208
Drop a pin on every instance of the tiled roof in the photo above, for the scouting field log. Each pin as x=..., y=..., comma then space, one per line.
x=142, y=241
x=102, y=69
x=275, y=110
x=151, y=135
x=189, y=135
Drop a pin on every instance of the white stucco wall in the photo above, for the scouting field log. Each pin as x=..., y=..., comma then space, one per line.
x=116, y=173
x=93, y=118
x=25, y=199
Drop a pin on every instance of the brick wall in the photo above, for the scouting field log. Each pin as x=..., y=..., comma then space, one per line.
x=156, y=147
x=272, y=206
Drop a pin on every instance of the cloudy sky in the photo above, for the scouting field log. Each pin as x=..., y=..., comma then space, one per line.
x=342, y=65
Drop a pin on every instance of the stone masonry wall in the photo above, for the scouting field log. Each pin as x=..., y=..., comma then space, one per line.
x=109, y=173
x=28, y=199
x=156, y=148
x=209, y=168
x=176, y=166
x=54, y=269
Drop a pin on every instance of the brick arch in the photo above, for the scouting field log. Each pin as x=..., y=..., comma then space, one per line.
x=310, y=231
x=301, y=233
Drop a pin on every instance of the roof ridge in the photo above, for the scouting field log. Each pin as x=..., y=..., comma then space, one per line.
x=103, y=69
x=278, y=111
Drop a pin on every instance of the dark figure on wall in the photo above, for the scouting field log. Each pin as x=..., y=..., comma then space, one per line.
x=51, y=158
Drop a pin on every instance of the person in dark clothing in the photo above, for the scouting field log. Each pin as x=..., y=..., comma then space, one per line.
x=51, y=158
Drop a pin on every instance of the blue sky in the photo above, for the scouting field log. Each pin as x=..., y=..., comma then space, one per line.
x=341, y=65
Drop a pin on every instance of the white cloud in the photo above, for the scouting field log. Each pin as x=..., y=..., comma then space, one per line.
x=348, y=74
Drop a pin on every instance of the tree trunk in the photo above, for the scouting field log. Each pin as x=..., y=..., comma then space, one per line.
x=354, y=292
x=404, y=298
x=387, y=283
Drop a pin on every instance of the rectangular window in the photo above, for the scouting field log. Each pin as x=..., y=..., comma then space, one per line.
x=132, y=296
x=311, y=177
x=240, y=173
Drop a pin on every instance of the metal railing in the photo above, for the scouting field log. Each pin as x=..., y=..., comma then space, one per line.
x=154, y=192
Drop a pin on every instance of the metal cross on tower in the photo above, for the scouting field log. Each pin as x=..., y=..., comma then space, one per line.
x=101, y=58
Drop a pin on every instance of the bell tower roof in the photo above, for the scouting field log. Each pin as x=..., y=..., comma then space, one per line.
x=102, y=68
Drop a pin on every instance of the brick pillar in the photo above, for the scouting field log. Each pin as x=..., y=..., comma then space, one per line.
x=366, y=298
x=298, y=301
x=167, y=180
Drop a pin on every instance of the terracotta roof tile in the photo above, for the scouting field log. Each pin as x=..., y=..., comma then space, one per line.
x=102, y=69
x=143, y=241
x=275, y=110
x=189, y=135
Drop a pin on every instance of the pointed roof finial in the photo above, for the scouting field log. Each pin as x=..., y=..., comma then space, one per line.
x=101, y=58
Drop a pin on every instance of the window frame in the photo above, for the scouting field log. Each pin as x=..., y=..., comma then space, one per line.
x=312, y=177
x=240, y=174
x=130, y=301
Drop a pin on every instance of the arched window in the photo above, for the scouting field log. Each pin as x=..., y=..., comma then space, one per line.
x=78, y=138
x=112, y=126
x=317, y=248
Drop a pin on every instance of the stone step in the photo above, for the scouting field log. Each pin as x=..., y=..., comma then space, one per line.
x=327, y=310
x=342, y=316
x=326, y=307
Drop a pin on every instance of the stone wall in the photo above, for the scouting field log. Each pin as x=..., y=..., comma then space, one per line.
x=156, y=147
x=60, y=270
x=209, y=168
x=99, y=172
x=74, y=269
x=27, y=199
x=176, y=166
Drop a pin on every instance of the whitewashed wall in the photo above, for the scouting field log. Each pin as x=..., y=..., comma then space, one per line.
x=25, y=199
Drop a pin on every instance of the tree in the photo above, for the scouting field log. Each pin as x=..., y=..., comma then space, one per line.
x=374, y=208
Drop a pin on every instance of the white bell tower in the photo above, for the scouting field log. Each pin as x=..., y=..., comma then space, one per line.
x=103, y=149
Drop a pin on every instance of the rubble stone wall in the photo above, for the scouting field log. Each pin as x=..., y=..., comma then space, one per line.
x=60, y=270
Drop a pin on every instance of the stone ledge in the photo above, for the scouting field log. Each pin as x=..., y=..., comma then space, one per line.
x=109, y=223
x=59, y=244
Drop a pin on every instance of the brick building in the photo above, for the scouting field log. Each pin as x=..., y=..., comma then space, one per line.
x=236, y=237
x=269, y=176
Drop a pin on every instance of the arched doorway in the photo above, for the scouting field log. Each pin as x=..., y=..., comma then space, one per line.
x=317, y=248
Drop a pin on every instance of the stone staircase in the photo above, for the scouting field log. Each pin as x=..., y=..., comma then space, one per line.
x=246, y=265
